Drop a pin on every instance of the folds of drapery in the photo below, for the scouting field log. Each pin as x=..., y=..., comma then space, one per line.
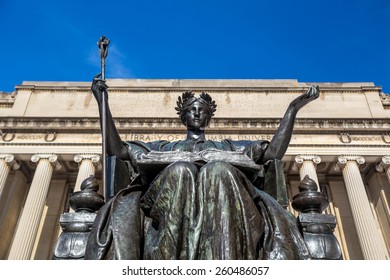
x=213, y=212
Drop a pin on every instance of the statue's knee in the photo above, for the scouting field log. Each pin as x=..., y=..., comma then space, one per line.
x=181, y=167
x=216, y=168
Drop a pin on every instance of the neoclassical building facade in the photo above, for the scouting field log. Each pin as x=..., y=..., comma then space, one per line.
x=50, y=141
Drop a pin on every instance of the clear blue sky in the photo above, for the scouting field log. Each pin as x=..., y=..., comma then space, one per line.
x=312, y=41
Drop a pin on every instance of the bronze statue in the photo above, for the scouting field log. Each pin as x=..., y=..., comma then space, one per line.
x=197, y=198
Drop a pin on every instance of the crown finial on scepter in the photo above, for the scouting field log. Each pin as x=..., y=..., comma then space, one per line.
x=103, y=52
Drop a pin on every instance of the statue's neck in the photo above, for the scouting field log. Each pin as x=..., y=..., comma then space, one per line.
x=195, y=135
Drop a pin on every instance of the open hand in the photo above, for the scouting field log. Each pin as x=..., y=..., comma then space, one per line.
x=311, y=94
x=98, y=86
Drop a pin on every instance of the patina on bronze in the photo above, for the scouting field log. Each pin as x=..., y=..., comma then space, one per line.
x=197, y=198
x=317, y=228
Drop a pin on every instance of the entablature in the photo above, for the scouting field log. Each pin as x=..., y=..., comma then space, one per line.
x=88, y=125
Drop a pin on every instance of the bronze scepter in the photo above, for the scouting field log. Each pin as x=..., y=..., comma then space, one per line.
x=103, y=51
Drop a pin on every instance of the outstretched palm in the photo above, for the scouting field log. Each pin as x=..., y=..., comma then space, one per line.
x=311, y=94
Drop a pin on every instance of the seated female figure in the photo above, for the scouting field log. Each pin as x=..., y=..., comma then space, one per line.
x=191, y=209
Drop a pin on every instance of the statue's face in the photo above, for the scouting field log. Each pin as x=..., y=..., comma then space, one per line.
x=196, y=116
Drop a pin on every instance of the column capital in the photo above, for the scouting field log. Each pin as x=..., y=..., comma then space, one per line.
x=384, y=164
x=299, y=159
x=10, y=160
x=53, y=159
x=95, y=158
x=7, y=157
x=343, y=159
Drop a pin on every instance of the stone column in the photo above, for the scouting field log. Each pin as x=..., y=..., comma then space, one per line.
x=6, y=163
x=307, y=165
x=370, y=241
x=384, y=166
x=28, y=225
x=87, y=164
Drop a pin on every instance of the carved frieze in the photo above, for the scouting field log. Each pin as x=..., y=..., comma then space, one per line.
x=91, y=124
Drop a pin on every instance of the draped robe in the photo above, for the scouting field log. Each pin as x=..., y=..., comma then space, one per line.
x=188, y=210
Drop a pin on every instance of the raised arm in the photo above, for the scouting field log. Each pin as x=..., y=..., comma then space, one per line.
x=279, y=143
x=115, y=146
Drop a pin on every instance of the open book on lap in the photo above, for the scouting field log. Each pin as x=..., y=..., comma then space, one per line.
x=152, y=163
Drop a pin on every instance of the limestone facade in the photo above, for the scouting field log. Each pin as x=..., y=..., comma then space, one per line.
x=50, y=141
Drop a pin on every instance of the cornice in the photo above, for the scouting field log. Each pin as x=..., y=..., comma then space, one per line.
x=211, y=85
x=179, y=90
x=385, y=98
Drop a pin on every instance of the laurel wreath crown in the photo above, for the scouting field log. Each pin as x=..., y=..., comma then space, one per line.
x=190, y=96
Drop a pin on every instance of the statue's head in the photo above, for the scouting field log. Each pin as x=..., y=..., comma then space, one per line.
x=195, y=112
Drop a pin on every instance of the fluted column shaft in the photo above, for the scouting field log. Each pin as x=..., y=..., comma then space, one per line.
x=384, y=166
x=6, y=162
x=28, y=225
x=87, y=164
x=307, y=165
x=370, y=241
